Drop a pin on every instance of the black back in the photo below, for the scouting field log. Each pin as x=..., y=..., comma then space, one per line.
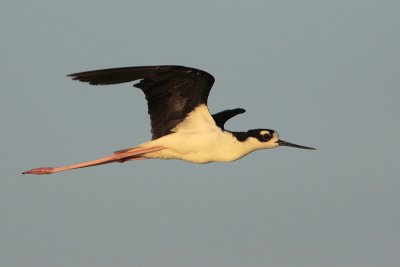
x=222, y=117
x=171, y=91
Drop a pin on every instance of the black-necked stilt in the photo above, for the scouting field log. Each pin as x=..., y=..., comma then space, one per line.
x=181, y=124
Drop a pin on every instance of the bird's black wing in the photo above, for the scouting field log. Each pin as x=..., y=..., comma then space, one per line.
x=222, y=117
x=171, y=91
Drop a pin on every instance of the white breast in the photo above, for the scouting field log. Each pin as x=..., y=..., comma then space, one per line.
x=198, y=139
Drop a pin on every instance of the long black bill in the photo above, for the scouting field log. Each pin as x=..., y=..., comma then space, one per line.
x=284, y=143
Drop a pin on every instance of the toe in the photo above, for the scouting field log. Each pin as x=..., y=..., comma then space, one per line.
x=40, y=171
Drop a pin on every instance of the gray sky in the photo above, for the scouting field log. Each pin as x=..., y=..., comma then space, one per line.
x=321, y=73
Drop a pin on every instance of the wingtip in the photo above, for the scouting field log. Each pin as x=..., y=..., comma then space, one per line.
x=73, y=76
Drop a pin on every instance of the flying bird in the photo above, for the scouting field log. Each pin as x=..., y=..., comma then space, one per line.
x=181, y=124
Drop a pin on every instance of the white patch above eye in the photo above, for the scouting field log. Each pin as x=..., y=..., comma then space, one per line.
x=264, y=132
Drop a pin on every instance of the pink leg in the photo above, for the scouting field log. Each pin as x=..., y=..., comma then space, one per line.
x=121, y=157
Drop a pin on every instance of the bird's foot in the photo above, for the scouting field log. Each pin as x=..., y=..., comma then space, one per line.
x=40, y=171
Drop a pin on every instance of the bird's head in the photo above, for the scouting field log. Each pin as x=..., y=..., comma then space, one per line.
x=267, y=138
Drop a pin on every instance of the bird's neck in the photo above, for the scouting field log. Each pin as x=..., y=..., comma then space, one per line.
x=240, y=136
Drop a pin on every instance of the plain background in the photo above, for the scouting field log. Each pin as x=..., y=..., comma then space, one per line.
x=321, y=73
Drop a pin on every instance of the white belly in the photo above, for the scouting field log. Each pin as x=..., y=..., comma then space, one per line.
x=198, y=140
x=198, y=148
